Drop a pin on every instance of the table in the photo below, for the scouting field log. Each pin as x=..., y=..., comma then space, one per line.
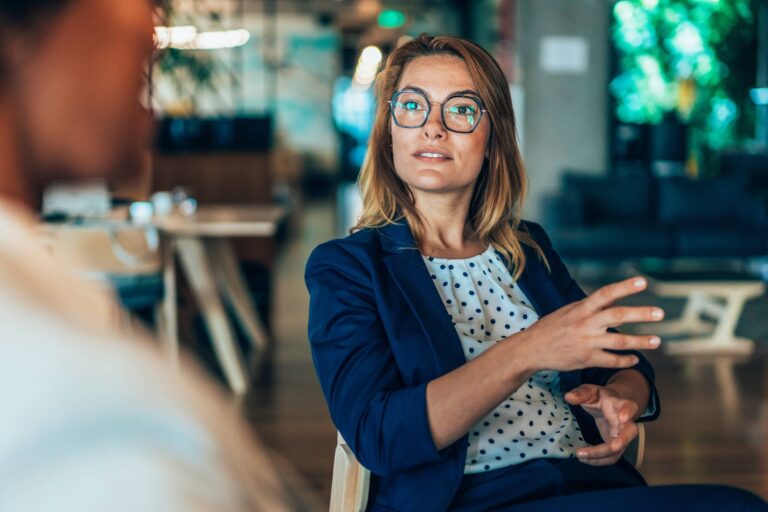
x=705, y=292
x=201, y=242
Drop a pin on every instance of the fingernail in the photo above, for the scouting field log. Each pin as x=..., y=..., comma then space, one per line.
x=657, y=313
x=639, y=283
x=581, y=455
x=654, y=341
x=634, y=361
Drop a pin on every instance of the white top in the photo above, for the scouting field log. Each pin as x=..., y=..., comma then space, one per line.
x=94, y=420
x=486, y=306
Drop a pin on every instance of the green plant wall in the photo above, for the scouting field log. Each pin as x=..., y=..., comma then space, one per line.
x=696, y=58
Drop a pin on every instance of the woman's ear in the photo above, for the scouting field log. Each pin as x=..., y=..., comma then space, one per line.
x=6, y=55
x=14, y=48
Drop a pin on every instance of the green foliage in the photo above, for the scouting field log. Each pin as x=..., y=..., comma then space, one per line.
x=186, y=67
x=695, y=57
x=188, y=70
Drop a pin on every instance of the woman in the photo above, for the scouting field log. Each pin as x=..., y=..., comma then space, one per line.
x=460, y=361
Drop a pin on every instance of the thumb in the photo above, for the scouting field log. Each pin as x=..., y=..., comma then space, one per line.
x=584, y=394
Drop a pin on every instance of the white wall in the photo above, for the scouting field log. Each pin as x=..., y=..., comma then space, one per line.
x=565, y=123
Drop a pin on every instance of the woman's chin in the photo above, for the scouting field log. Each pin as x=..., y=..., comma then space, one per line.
x=429, y=181
x=434, y=182
x=439, y=188
x=431, y=186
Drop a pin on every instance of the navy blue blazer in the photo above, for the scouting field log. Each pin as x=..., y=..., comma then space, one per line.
x=379, y=333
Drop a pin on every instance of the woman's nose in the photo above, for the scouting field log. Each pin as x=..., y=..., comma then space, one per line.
x=434, y=128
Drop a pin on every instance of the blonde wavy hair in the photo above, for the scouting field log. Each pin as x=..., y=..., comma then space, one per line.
x=499, y=193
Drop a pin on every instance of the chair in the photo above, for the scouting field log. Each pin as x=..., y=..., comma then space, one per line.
x=351, y=481
x=349, y=487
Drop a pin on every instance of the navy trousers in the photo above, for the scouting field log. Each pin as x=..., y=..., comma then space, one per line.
x=568, y=485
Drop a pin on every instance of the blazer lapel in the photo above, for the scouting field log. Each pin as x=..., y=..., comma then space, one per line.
x=406, y=266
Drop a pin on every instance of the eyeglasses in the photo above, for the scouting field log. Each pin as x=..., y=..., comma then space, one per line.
x=460, y=113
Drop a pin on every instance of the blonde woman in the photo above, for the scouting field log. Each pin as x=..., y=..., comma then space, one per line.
x=460, y=361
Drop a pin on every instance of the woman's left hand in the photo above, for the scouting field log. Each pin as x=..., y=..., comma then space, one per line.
x=615, y=419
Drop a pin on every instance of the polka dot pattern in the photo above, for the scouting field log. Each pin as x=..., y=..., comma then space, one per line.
x=486, y=307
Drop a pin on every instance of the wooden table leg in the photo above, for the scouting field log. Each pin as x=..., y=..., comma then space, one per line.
x=235, y=291
x=198, y=271
x=167, y=313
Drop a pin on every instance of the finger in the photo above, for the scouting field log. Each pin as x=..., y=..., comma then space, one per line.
x=603, y=359
x=611, y=415
x=627, y=411
x=609, y=294
x=620, y=315
x=599, y=451
x=584, y=394
x=610, y=448
x=606, y=461
x=626, y=434
x=621, y=341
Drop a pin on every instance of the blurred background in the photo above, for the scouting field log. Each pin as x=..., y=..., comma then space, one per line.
x=644, y=129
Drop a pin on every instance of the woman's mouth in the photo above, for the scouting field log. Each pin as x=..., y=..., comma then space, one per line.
x=428, y=156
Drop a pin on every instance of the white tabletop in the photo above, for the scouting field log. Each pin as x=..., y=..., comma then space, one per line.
x=224, y=221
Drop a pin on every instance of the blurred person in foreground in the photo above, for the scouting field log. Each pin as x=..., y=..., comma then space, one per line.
x=93, y=421
x=461, y=362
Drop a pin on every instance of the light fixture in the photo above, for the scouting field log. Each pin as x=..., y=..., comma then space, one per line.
x=188, y=38
x=223, y=39
x=367, y=66
x=166, y=37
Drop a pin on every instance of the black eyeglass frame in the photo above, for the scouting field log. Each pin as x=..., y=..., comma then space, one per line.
x=429, y=109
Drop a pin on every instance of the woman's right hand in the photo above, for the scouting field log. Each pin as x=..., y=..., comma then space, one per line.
x=576, y=336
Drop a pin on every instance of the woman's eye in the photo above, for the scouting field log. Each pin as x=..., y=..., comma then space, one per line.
x=412, y=105
x=464, y=110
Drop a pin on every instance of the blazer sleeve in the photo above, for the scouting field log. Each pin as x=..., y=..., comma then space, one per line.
x=383, y=420
x=572, y=292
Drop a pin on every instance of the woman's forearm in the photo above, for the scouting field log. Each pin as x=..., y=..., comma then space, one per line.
x=459, y=399
x=632, y=385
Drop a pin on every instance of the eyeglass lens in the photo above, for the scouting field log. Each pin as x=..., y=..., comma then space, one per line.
x=411, y=109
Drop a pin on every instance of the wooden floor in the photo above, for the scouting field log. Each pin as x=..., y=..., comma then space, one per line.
x=713, y=428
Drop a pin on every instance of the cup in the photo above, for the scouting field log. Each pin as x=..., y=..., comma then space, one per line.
x=162, y=203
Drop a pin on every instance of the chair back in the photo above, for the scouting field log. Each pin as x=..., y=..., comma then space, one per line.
x=349, y=487
x=351, y=481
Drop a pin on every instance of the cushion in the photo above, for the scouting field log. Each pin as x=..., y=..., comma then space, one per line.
x=613, y=198
x=721, y=242
x=613, y=241
x=718, y=201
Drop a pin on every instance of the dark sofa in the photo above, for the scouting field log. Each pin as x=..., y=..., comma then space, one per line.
x=626, y=217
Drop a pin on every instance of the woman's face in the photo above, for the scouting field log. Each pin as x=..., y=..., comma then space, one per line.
x=432, y=159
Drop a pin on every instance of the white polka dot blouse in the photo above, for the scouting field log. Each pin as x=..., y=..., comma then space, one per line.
x=486, y=306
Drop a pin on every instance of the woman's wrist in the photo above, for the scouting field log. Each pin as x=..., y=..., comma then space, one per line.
x=520, y=360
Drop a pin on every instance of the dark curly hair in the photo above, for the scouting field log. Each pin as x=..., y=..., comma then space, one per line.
x=24, y=12
x=20, y=13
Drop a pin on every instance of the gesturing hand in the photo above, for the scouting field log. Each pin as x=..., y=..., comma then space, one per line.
x=576, y=336
x=614, y=417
